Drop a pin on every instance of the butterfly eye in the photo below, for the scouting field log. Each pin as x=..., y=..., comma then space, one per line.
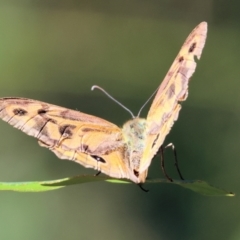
x=99, y=159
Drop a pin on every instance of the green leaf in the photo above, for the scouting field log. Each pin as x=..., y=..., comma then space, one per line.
x=198, y=186
x=194, y=185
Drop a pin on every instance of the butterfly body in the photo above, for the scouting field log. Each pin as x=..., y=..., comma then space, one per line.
x=96, y=143
x=134, y=135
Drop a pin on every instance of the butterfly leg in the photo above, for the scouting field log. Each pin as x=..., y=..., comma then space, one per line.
x=141, y=186
x=98, y=173
x=176, y=160
x=162, y=164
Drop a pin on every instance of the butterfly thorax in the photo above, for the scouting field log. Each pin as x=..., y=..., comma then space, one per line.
x=134, y=135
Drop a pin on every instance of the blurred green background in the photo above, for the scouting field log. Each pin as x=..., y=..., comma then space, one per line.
x=55, y=51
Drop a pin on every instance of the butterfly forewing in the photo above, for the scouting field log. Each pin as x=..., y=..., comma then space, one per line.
x=88, y=140
x=174, y=89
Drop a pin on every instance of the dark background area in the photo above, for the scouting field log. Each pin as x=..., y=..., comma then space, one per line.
x=54, y=51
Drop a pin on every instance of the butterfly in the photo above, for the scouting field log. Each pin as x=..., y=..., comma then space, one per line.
x=95, y=143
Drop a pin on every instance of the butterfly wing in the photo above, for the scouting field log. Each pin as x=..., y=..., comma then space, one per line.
x=173, y=90
x=88, y=140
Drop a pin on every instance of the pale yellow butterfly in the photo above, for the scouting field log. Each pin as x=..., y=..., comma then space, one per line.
x=95, y=143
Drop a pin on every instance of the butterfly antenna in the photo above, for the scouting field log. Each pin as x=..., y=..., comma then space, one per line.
x=115, y=100
x=146, y=102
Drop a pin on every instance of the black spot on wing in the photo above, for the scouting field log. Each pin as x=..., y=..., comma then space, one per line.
x=98, y=159
x=85, y=147
x=66, y=130
x=180, y=59
x=42, y=111
x=19, y=111
x=192, y=47
x=154, y=142
x=136, y=173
